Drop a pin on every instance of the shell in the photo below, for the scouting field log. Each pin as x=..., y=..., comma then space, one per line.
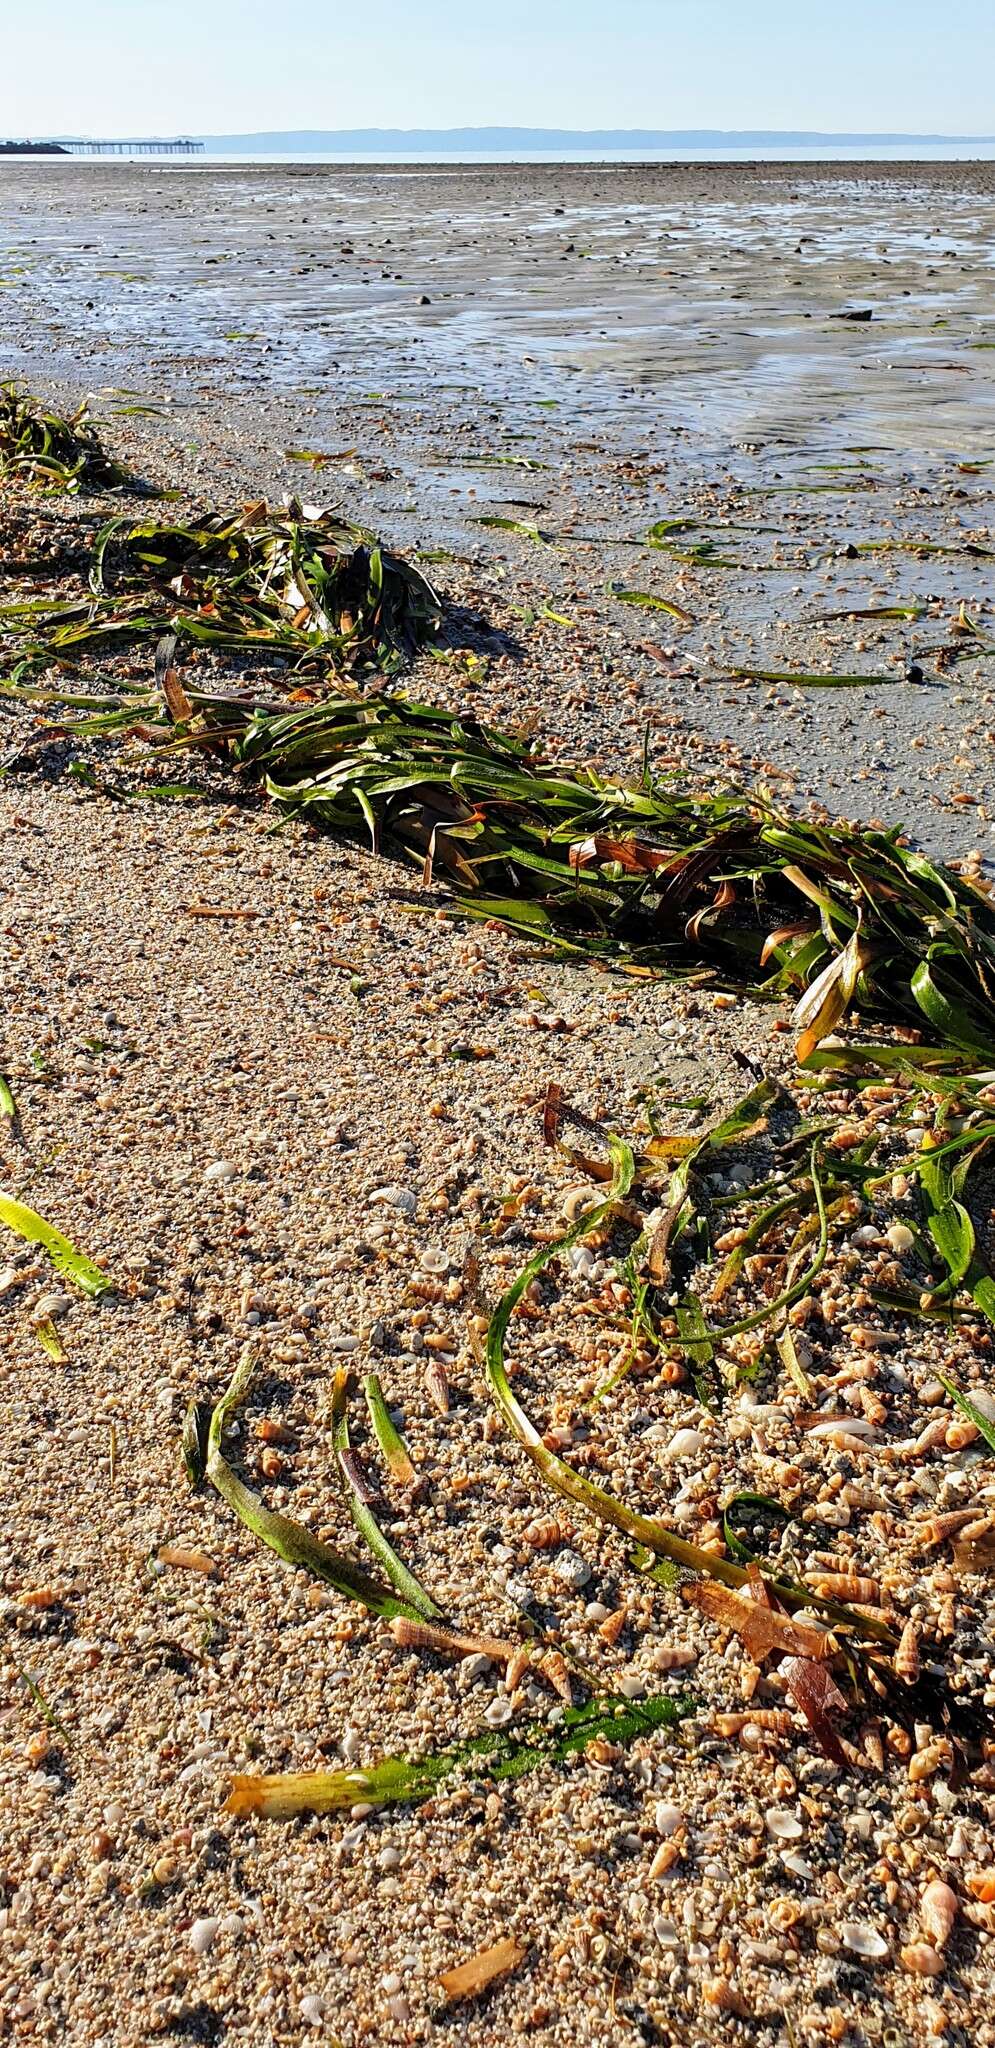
x=667, y=1818
x=518, y=1664
x=938, y=1911
x=960, y=1433
x=928, y=1760
x=922, y=1960
x=982, y=1884
x=784, y=1825
x=723, y=1995
x=936, y=1528
x=554, y=1671
x=546, y=1535
x=773, y=1720
x=844, y=1586
x=907, y=1654
x=863, y=1940
x=611, y=1629
x=437, y=1386
x=673, y=1656
x=425, y=1635
x=669, y=1853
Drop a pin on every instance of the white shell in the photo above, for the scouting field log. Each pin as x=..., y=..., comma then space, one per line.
x=863, y=1940
x=900, y=1237
x=202, y=1935
x=50, y=1305
x=667, y=1818
x=785, y=1825
x=499, y=1712
x=854, y=1425
x=666, y=1932
x=683, y=1444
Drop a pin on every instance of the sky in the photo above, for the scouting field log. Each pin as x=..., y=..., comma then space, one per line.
x=134, y=67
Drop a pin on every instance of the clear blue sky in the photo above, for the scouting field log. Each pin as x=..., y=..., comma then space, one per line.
x=215, y=66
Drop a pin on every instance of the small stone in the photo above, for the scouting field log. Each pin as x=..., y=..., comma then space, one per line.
x=573, y=1569
x=219, y=1170
x=312, y=2009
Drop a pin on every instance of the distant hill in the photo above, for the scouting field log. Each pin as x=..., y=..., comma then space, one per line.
x=446, y=141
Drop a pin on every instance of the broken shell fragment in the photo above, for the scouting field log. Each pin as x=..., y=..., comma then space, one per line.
x=863, y=1940
x=922, y=1960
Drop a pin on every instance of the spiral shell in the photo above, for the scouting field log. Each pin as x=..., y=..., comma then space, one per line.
x=773, y=1720
x=518, y=1664
x=611, y=1629
x=547, y=1534
x=673, y=1656
x=938, y=1911
x=844, y=1586
x=437, y=1386
x=427, y=1635
x=922, y=1960
x=928, y=1760
x=907, y=1654
x=554, y=1671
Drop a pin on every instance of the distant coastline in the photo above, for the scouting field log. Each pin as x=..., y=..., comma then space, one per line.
x=451, y=141
x=32, y=149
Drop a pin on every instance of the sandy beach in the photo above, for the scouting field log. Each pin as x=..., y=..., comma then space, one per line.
x=289, y=1123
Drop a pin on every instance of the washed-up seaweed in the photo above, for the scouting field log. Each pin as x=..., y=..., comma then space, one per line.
x=66, y=1258
x=40, y=448
x=304, y=588
x=644, y=876
x=492, y=1756
x=290, y=1539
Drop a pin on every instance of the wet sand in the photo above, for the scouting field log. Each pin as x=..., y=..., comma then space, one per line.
x=663, y=340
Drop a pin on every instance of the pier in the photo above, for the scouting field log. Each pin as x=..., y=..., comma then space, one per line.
x=154, y=146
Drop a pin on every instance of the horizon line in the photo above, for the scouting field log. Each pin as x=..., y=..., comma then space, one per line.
x=648, y=137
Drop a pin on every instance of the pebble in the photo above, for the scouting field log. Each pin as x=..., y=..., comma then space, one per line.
x=312, y=2009
x=573, y=1569
x=219, y=1170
